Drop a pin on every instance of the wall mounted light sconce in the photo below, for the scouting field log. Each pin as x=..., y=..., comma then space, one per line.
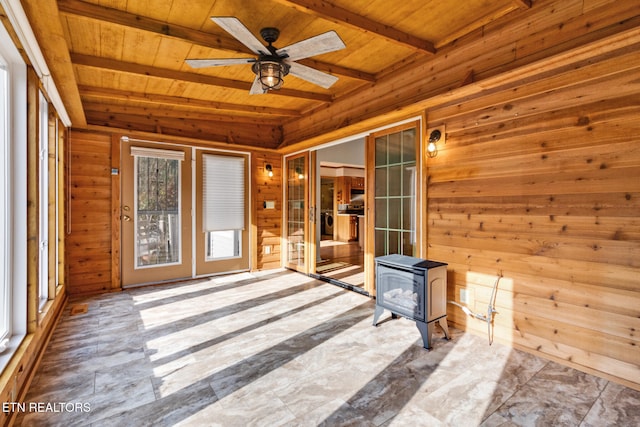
x=299, y=172
x=269, y=170
x=435, y=135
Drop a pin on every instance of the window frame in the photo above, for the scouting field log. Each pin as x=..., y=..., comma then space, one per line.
x=5, y=288
x=43, y=199
x=223, y=179
x=14, y=199
x=162, y=154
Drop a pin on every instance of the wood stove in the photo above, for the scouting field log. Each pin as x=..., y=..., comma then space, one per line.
x=413, y=288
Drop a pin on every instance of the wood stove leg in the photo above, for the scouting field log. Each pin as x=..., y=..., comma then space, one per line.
x=426, y=329
x=445, y=327
x=377, y=314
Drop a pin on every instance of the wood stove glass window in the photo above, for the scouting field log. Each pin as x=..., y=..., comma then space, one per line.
x=395, y=193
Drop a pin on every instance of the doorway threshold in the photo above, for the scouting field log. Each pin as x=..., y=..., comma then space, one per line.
x=340, y=283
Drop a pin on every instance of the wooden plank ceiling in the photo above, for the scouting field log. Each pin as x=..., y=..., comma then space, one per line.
x=127, y=58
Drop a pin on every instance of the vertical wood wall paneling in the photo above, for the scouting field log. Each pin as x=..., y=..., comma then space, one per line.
x=116, y=214
x=33, y=250
x=423, y=183
x=89, y=242
x=370, y=220
x=544, y=190
x=268, y=222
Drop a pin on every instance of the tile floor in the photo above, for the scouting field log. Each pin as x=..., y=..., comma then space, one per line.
x=333, y=252
x=278, y=348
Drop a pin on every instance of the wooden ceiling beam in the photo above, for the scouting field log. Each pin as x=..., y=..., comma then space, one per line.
x=158, y=113
x=45, y=22
x=341, y=16
x=523, y=4
x=115, y=16
x=200, y=38
x=148, y=71
x=336, y=69
x=232, y=133
x=184, y=103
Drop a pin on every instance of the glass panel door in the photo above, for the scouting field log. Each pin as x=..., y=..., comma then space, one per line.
x=157, y=211
x=221, y=251
x=392, y=208
x=156, y=202
x=395, y=193
x=296, y=224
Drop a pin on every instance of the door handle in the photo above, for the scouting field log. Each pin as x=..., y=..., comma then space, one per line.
x=126, y=218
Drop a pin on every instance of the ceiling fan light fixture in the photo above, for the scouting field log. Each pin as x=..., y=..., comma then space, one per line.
x=270, y=73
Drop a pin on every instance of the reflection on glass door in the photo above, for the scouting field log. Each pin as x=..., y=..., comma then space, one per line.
x=296, y=228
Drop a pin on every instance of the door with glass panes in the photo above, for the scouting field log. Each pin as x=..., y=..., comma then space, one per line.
x=155, y=211
x=392, y=159
x=222, y=219
x=297, y=224
x=161, y=239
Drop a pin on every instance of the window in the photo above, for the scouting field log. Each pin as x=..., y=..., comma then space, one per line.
x=223, y=244
x=43, y=212
x=296, y=210
x=13, y=199
x=395, y=193
x=157, y=206
x=223, y=200
x=5, y=278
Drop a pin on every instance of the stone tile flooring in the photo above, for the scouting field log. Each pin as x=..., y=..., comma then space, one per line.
x=279, y=348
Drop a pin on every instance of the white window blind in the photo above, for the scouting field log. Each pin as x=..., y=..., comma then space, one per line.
x=157, y=153
x=223, y=192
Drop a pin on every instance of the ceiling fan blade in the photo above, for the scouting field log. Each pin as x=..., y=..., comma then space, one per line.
x=237, y=29
x=322, y=43
x=201, y=63
x=312, y=75
x=256, y=87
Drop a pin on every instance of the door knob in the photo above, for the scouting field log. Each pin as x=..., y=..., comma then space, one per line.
x=126, y=218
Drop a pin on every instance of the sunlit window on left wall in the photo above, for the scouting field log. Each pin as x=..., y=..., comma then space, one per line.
x=13, y=199
x=4, y=268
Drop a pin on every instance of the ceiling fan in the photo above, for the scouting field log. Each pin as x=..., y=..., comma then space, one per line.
x=273, y=64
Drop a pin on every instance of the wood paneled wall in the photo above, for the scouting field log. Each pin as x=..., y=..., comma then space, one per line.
x=538, y=186
x=268, y=222
x=90, y=220
x=88, y=249
x=487, y=54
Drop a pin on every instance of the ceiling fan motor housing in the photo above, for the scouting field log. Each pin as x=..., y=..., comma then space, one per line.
x=270, y=34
